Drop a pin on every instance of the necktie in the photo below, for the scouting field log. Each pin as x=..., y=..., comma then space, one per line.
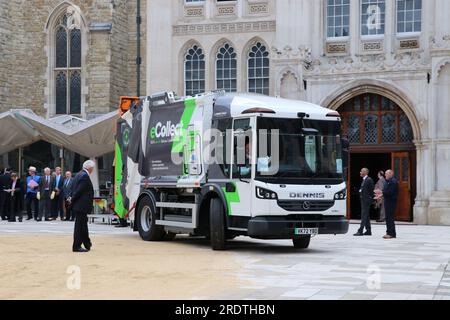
x=47, y=183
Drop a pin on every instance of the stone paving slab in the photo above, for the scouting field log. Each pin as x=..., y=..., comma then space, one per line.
x=412, y=267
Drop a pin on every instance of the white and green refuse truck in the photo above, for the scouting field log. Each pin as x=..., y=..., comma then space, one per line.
x=222, y=165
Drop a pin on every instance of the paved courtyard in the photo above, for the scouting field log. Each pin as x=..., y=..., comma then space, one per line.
x=414, y=266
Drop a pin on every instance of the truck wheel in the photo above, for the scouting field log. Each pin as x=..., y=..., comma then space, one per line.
x=217, y=224
x=145, y=220
x=301, y=243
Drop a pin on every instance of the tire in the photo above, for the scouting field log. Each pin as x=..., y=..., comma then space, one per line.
x=301, y=243
x=218, y=235
x=145, y=220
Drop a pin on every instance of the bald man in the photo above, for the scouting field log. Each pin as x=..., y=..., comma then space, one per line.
x=366, y=194
x=390, y=195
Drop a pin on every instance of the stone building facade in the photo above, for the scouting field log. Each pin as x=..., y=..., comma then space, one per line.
x=27, y=46
x=63, y=67
x=384, y=64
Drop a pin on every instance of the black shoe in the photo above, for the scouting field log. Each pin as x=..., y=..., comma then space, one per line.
x=80, y=250
x=358, y=234
x=20, y=220
x=48, y=220
x=29, y=218
x=88, y=248
x=38, y=220
x=367, y=233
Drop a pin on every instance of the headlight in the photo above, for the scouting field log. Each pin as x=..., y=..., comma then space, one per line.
x=262, y=193
x=341, y=195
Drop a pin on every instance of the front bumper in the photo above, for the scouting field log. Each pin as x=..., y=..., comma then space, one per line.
x=284, y=227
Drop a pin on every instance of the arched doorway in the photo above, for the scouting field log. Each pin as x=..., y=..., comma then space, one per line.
x=381, y=138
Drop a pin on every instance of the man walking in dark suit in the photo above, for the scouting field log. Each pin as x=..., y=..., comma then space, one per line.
x=82, y=203
x=16, y=194
x=66, y=194
x=390, y=194
x=366, y=194
x=45, y=195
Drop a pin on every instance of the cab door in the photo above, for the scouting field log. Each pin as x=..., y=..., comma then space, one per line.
x=401, y=164
x=242, y=173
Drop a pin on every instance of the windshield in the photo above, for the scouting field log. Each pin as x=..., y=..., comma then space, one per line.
x=307, y=149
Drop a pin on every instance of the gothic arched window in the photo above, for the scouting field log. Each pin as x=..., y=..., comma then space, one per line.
x=258, y=69
x=226, y=66
x=194, y=71
x=67, y=67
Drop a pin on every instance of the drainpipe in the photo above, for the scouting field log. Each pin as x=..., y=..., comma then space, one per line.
x=138, y=48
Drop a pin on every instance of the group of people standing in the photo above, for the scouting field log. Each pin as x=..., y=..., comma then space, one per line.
x=385, y=194
x=46, y=197
x=51, y=196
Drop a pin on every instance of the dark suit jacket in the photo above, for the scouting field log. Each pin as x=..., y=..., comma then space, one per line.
x=5, y=181
x=17, y=198
x=367, y=189
x=390, y=192
x=60, y=185
x=41, y=187
x=66, y=191
x=82, y=193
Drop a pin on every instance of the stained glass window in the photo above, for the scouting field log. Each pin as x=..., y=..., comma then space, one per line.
x=405, y=169
x=397, y=168
x=353, y=129
x=68, y=42
x=226, y=69
x=258, y=69
x=61, y=93
x=75, y=48
x=388, y=127
x=75, y=92
x=371, y=129
x=374, y=119
x=406, y=134
x=194, y=71
x=61, y=47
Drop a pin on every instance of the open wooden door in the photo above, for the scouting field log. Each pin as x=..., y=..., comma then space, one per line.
x=401, y=164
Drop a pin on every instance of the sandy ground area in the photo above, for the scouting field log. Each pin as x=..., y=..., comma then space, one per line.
x=125, y=267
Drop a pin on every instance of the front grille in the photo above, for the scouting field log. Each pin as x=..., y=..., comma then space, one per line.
x=306, y=205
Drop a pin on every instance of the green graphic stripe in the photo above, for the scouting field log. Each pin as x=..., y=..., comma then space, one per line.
x=118, y=198
x=231, y=197
x=179, y=141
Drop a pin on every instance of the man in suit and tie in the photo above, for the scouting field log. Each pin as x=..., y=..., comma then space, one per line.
x=390, y=194
x=5, y=197
x=66, y=193
x=82, y=203
x=57, y=202
x=45, y=195
x=366, y=194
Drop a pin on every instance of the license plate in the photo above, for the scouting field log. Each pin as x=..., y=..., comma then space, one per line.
x=307, y=231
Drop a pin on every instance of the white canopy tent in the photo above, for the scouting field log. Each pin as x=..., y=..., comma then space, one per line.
x=90, y=138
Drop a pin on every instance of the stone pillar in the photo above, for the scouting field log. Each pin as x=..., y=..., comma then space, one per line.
x=420, y=210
